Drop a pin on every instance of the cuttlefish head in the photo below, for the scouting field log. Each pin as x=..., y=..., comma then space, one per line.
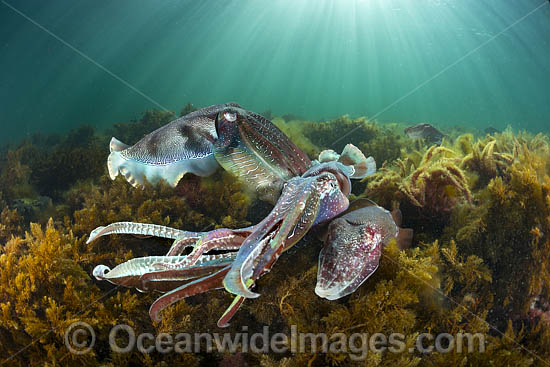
x=254, y=150
x=352, y=250
x=305, y=202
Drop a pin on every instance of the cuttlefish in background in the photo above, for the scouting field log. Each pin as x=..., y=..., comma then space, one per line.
x=426, y=132
x=353, y=247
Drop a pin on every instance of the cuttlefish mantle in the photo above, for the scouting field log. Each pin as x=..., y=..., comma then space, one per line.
x=183, y=145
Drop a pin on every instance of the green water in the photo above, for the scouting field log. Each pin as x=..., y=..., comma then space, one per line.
x=447, y=62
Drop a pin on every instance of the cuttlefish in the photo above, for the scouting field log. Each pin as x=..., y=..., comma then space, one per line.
x=425, y=131
x=244, y=143
x=353, y=247
x=306, y=194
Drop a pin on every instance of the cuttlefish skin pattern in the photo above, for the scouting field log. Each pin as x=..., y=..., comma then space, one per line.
x=181, y=146
x=352, y=250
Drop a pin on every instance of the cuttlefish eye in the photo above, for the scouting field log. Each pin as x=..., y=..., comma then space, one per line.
x=224, y=118
x=226, y=126
x=230, y=116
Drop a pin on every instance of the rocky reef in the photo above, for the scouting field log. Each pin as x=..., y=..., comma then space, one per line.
x=479, y=263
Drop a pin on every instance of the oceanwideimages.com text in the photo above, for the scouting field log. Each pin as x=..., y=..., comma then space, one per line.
x=80, y=339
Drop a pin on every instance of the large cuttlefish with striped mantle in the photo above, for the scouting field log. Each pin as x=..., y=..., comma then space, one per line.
x=305, y=194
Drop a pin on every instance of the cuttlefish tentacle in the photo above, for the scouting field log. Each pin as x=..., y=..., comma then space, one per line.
x=168, y=280
x=219, y=239
x=140, y=229
x=230, y=311
x=198, y=286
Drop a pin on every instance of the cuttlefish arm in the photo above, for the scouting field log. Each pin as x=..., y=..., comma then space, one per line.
x=201, y=285
x=183, y=145
x=198, y=286
x=301, y=205
x=201, y=242
x=162, y=273
x=143, y=229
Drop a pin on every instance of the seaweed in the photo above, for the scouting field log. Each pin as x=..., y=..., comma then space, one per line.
x=508, y=231
x=224, y=205
x=45, y=288
x=45, y=274
x=15, y=177
x=337, y=133
x=385, y=147
x=36, y=168
x=11, y=224
x=427, y=187
x=482, y=159
x=480, y=208
x=188, y=108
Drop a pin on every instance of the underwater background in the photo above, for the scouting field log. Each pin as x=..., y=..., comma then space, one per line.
x=315, y=59
x=327, y=73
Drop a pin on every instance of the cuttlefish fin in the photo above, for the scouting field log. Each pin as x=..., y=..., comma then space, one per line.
x=115, y=159
x=363, y=166
x=136, y=172
x=174, y=172
x=118, y=163
x=116, y=145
